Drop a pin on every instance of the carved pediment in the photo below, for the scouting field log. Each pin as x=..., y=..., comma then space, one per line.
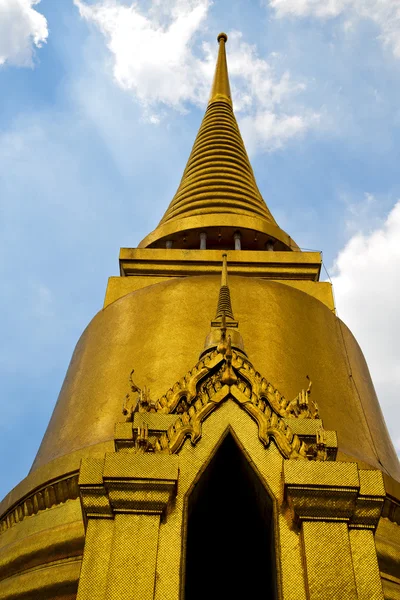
x=217, y=377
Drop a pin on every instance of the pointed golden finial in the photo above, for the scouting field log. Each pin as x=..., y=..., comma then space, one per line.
x=224, y=333
x=221, y=90
x=224, y=307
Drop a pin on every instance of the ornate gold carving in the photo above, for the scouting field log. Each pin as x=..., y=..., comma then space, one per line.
x=142, y=442
x=302, y=407
x=318, y=451
x=185, y=390
x=141, y=403
x=227, y=374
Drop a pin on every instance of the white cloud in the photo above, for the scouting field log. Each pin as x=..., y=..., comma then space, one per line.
x=21, y=29
x=151, y=57
x=367, y=288
x=384, y=13
x=268, y=131
x=154, y=56
x=323, y=9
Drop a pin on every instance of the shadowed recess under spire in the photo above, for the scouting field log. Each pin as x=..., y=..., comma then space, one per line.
x=218, y=187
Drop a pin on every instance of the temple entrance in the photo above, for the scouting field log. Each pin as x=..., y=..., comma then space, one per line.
x=230, y=548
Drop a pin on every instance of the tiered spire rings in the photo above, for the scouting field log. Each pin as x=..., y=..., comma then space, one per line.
x=218, y=188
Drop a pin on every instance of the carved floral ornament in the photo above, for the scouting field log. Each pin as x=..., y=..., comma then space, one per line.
x=220, y=375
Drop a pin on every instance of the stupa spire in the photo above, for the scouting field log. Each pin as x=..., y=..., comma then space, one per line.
x=221, y=90
x=218, y=188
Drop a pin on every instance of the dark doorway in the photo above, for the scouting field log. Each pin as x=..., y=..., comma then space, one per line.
x=230, y=548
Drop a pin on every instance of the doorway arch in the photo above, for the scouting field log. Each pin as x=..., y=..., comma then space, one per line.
x=230, y=549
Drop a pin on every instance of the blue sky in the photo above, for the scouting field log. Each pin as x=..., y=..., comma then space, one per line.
x=100, y=102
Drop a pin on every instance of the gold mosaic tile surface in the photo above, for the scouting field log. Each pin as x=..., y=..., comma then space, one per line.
x=365, y=562
x=328, y=561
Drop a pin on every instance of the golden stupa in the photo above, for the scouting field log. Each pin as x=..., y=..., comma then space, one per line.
x=218, y=433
